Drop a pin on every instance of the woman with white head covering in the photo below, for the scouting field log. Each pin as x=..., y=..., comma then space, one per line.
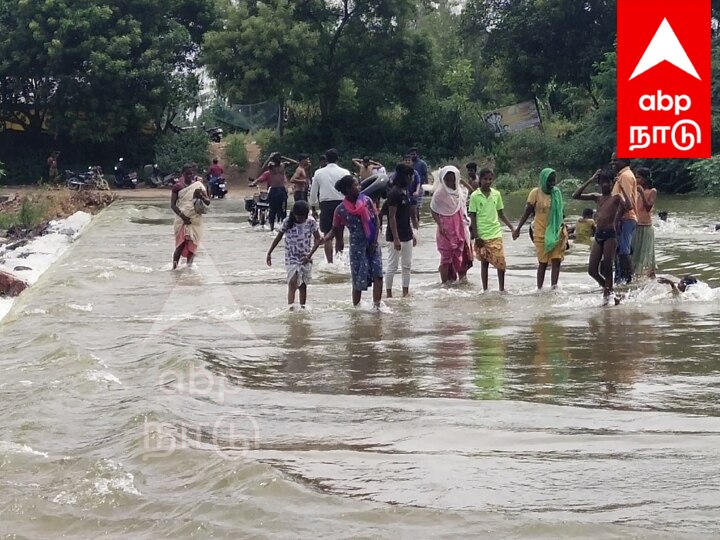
x=449, y=210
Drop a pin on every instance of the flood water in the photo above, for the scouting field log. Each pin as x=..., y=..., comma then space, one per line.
x=137, y=402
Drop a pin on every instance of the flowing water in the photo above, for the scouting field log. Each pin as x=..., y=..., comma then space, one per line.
x=138, y=402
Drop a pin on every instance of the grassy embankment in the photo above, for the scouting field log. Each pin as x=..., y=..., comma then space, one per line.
x=33, y=209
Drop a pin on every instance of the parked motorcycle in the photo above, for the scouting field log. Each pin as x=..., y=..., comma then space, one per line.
x=159, y=179
x=215, y=134
x=218, y=187
x=123, y=178
x=91, y=179
x=258, y=208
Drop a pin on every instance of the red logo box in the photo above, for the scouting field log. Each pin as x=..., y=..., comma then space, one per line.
x=663, y=86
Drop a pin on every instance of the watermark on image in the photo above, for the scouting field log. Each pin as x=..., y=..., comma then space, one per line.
x=233, y=432
x=663, y=79
x=230, y=437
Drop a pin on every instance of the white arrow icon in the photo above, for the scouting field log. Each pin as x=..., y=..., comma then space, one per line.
x=665, y=46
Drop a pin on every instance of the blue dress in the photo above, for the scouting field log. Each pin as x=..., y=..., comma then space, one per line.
x=365, y=267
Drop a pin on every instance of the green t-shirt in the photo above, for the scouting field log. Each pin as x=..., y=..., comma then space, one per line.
x=486, y=213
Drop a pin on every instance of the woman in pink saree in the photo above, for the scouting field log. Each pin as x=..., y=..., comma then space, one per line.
x=449, y=210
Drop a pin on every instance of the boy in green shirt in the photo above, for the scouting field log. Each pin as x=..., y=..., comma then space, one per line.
x=486, y=212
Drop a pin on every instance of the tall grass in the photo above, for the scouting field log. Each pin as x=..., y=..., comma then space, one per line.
x=235, y=150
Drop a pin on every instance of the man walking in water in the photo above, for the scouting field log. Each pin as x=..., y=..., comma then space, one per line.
x=625, y=181
x=324, y=195
x=422, y=169
x=300, y=179
x=277, y=194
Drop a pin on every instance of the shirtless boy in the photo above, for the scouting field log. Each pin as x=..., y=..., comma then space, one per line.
x=300, y=179
x=610, y=210
x=366, y=167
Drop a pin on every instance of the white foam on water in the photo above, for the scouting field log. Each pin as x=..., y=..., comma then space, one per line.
x=5, y=305
x=7, y=447
x=87, y=308
x=102, y=376
x=41, y=252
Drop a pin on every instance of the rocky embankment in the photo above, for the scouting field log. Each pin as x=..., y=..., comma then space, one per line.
x=29, y=217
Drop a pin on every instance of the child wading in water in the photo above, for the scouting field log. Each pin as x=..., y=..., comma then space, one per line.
x=402, y=219
x=358, y=213
x=610, y=210
x=299, y=229
x=486, y=212
x=585, y=228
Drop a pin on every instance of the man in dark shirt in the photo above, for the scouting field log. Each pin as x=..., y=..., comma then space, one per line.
x=402, y=219
x=422, y=169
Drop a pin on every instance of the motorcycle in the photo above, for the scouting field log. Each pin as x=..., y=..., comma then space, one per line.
x=159, y=179
x=215, y=134
x=258, y=208
x=218, y=187
x=123, y=178
x=91, y=179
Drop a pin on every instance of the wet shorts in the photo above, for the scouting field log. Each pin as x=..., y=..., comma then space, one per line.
x=327, y=211
x=625, y=239
x=602, y=236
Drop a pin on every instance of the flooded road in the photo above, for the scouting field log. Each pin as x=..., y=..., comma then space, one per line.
x=137, y=402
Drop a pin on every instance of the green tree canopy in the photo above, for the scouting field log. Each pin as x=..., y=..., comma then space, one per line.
x=317, y=51
x=95, y=68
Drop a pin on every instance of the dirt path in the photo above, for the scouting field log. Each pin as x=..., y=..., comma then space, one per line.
x=237, y=179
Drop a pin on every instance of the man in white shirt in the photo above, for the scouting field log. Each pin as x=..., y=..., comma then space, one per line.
x=324, y=195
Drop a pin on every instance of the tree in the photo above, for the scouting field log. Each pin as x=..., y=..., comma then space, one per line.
x=540, y=41
x=311, y=49
x=96, y=69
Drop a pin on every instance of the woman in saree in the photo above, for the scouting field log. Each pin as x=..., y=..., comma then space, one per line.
x=550, y=235
x=188, y=201
x=643, y=252
x=449, y=210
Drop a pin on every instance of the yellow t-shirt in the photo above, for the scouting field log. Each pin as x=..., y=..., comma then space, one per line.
x=542, y=202
x=584, y=231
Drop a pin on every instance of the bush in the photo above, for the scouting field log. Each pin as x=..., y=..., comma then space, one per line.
x=263, y=138
x=706, y=174
x=172, y=150
x=235, y=150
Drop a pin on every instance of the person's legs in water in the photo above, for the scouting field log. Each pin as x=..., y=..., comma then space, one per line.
x=177, y=254
x=303, y=294
x=340, y=241
x=272, y=214
x=356, y=297
x=624, y=270
x=596, y=255
x=393, y=261
x=542, y=267
x=484, y=268
x=501, y=279
x=328, y=247
x=444, y=270
x=377, y=291
x=609, y=250
x=406, y=263
x=554, y=272
x=292, y=288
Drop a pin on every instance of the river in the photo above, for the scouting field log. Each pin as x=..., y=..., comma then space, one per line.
x=138, y=402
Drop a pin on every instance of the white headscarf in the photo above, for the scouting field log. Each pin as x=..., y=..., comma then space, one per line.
x=446, y=201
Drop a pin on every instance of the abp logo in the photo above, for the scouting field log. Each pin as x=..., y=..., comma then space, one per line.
x=663, y=79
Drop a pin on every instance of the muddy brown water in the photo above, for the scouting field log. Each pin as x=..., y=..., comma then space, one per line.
x=137, y=402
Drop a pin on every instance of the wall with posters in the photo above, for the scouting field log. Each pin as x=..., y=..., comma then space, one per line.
x=513, y=118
